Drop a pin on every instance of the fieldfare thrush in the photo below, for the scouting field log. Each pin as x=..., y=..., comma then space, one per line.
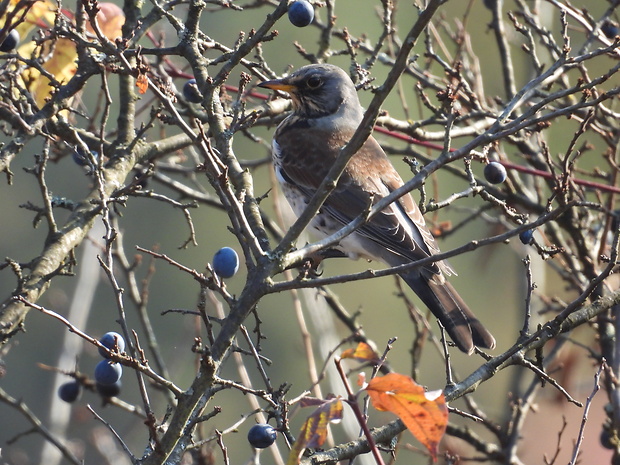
x=326, y=113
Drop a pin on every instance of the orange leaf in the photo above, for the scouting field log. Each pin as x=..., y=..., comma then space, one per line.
x=424, y=413
x=362, y=352
x=440, y=228
x=142, y=83
x=314, y=431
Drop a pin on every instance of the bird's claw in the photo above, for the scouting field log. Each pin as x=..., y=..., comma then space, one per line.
x=311, y=264
x=310, y=269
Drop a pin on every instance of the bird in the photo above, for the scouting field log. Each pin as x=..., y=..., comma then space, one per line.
x=326, y=112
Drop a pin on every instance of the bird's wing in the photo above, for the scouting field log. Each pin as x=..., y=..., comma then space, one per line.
x=304, y=160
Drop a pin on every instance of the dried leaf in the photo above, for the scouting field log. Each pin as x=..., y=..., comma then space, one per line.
x=142, y=83
x=312, y=401
x=361, y=380
x=314, y=430
x=424, y=413
x=441, y=228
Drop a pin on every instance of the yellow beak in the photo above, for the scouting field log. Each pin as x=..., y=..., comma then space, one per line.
x=278, y=84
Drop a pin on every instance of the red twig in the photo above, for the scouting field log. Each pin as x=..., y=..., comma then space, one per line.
x=352, y=402
x=433, y=146
x=507, y=164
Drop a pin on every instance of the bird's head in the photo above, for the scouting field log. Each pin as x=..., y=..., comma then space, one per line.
x=319, y=90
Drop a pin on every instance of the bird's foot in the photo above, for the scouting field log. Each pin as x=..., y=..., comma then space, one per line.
x=310, y=267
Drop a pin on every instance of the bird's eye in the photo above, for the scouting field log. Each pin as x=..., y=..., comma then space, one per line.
x=314, y=82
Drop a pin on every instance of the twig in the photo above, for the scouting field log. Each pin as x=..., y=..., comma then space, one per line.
x=558, y=446
x=116, y=435
x=21, y=407
x=223, y=448
x=540, y=373
x=586, y=410
x=525, y=330
x=133, y=363
x=352, y=402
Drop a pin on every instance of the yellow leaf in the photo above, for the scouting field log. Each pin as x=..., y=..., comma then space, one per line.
x=362, y=352
x=40, y=13
x=62, y=65
x=63, y=61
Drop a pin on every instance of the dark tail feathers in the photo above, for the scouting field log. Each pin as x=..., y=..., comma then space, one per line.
x=450, y=309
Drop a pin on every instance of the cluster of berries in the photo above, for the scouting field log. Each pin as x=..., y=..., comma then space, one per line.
x=107, y=373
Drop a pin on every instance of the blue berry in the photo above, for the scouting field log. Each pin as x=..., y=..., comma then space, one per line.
x=225, y=262
x=69, y=392
x=112, y=341
x=495, y=173
x=107, y=372
x=261, y=436
x=300, y=13
x=109, y=390
x=82, y=159
x=10, y=42
x=191, y=93
x=610, y=30
x=527, y=236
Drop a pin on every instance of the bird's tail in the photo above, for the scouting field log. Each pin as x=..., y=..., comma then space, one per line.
x=450, y=309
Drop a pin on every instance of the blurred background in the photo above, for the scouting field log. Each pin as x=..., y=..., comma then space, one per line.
x=491, y=279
